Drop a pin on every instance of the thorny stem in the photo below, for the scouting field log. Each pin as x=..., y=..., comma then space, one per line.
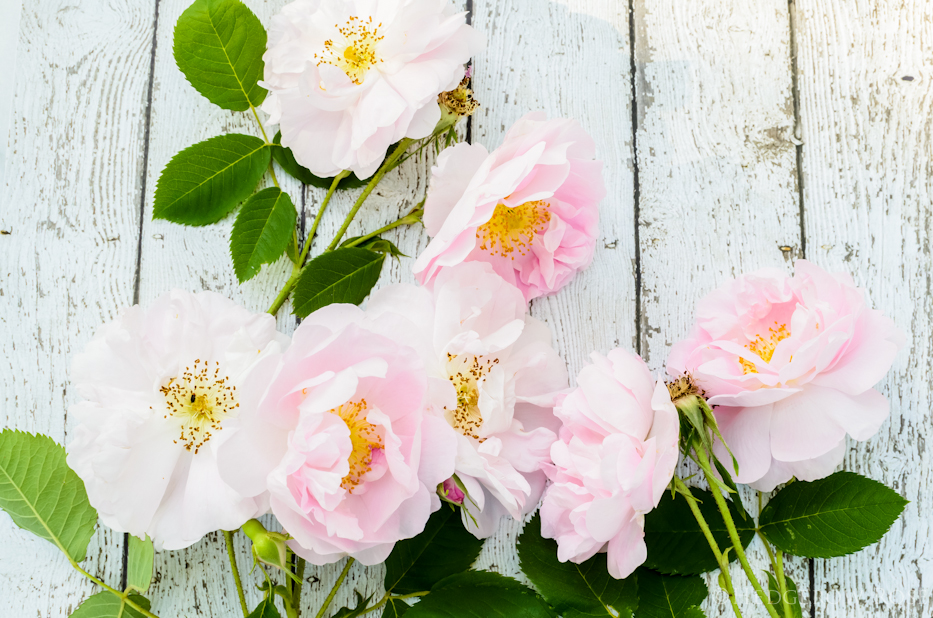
x=124, y=596
x=297, y=586
x=259, y=123
x=782, y=583
x=296, y=269
x=383, y=169
x=713, y=545
x=409, y=219
x=387, y=596
x=231, y=553
x=703, y=460
x=333, y=591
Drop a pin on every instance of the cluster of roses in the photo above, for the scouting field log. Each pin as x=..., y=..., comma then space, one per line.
x=197, y=415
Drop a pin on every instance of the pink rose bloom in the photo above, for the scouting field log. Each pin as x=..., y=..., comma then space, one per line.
x=529, y=209
x=790, y=363
x=341, y=441
x=616, y=454
x=499, y=378
x=159, y=386
x=348, y=78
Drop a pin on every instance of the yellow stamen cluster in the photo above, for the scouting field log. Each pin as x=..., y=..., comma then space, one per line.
x=765, y=347
x=199, y=399
x=466, y=374
x=512, y=229
x=365, y=439
x=354, y=50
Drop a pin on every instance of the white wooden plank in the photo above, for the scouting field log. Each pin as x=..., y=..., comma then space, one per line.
x=717, y=176
x=866, y=92
x=568, y=59
x=197, y=581
x=71, y=204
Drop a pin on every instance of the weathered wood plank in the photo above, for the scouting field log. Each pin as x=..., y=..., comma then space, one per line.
x=197, y=581
x=571, y=59
x=866, y=104
x=71, y=206
x=717, y=175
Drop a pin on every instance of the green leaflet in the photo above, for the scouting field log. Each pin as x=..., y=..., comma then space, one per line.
x=266, y=609
x=676, y=545
x=42, y=494
x=341, y=276
x=480, y=594
x=263, y=229
x=444, y=548
x=834, y=516
x=139, y=563
x=668, y=596
x=204, y=182
x=219, y=46
x=587, y=589
x=109, y=605
x=774, y=596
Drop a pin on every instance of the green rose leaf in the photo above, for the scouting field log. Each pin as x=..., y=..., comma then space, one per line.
x=139, y=563
x=586, y=588
x=219, y=46
x=693, y=612
x=109, y=605
x=42, y=494
x=676, y=545
x=359, y=610
x=668, y=596
x=774, y=596
x=480, y=594
x=285, y=158
x=341, y=276
x=266, y=609
x=444, y=548
x=834, y=516
x=263, y=229
x=204, y=182
x=395, y=608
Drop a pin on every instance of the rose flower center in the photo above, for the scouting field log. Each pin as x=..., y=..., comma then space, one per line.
x=512, y=229
x=199, y=399
x=466, y=374
x=353, y=50
x=365, y=439
x=764, y=347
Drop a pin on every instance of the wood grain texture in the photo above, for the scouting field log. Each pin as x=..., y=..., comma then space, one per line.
x=717, y=177
x=569, y=59
x=866, y=104
x=70, y=203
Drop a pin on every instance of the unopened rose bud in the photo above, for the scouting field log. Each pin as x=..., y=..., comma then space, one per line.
x=268, y=547
x=450, y=492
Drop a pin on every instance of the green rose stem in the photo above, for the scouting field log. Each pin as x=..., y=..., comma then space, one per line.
x=231, y=553
x=296, y=269
x=387, y=596
x=703, y=460
x=383, y=169
x=297, y=585
x=409, y=219
x=723, y=562
x=333, y=591
x=777, y=563
x=124, y=596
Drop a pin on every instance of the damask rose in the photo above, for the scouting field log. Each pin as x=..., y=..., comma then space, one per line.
x=348, y=78
x=529, y=209
x=159, y=386
x=789, y=363
x=499, y=376
x=616, y=455
x=341, y=442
